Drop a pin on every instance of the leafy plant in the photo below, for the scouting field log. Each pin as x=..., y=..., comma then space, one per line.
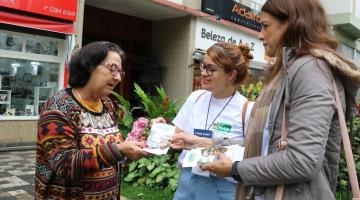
x=157, y=106
x=155, y=171
x=343, y=184
x=252, y=91
x=125, y=119
x=145, y=193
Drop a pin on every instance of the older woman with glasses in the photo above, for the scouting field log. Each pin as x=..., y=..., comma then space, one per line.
x=214, y=115
x=79, y=144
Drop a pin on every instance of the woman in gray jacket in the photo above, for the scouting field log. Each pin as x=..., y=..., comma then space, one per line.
x=297, y=34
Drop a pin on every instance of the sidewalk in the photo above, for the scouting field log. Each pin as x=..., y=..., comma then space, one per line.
x=17, y=174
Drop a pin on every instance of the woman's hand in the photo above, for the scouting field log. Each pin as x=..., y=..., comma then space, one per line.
x=157, y=120
x=182, y=140
x=221, y=167
x=133, y=150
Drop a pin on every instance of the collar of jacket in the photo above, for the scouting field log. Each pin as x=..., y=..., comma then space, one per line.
x=288, y=57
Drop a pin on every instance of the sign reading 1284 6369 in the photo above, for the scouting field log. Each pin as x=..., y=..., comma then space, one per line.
x=62, y=9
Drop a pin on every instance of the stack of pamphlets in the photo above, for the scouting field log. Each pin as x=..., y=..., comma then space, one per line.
x=200, y=156
x=159, y=139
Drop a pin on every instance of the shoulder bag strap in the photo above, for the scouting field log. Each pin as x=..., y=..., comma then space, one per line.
x=347, y=147
x=197, y=99
x=282, y=145
x=346, y=143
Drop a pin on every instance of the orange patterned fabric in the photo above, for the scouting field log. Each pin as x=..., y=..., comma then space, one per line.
x=77, y=153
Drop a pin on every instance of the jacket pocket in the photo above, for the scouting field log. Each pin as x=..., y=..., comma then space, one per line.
x=299, y=191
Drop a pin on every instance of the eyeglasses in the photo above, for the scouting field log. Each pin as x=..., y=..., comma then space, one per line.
x=114, y=69
x=209, y=68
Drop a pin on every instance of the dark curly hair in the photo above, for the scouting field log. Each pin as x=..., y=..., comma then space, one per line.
x=85, y=60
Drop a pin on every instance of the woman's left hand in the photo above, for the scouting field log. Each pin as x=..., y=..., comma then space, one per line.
x=221, y=167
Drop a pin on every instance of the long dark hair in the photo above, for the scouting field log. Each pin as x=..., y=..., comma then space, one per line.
x=307, y=28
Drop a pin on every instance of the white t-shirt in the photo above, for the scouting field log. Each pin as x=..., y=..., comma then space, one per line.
x=192, y=115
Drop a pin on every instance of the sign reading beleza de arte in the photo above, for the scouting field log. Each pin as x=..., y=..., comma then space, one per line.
x=209, y=33
x=62, y=9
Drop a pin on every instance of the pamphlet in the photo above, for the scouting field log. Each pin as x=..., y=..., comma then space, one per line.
x=200, y=156
x=159, y=139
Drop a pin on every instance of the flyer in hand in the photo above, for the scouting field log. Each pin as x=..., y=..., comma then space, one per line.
x=200, y=156
x=159, y=139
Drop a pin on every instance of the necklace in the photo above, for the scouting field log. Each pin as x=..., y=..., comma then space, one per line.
x=93, y=106
x=207, y=115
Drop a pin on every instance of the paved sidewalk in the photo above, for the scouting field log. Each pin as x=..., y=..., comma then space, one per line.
x=17, y=174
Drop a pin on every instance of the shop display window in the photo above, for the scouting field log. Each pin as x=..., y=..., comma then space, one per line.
x=11, y=42
x=44, y=47
x=25, y=85
x=15, y=42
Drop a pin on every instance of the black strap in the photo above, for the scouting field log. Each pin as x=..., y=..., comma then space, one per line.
x=207, y=115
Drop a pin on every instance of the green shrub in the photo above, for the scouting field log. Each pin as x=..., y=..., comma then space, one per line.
x=343, y=182
x=156, y=171
x=145, y=193
x=251, y=91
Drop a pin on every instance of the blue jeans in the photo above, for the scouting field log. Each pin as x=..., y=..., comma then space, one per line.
x=195, y=187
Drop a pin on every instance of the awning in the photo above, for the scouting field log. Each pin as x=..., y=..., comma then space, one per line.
x=36, y=23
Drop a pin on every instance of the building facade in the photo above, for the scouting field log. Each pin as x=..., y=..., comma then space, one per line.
x=164, y=42
x=35, y=41
x=175, y=33
x=344, y=17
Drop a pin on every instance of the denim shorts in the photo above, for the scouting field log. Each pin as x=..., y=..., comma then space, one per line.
x=195, y=187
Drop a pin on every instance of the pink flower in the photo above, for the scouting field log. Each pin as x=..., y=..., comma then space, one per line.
x=138, y=129
x=142, y=123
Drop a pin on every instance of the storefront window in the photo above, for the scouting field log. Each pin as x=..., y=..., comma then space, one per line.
x=11, y=42
x=25, y=85
x=41, y=47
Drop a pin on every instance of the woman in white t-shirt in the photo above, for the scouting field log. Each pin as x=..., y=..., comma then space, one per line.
x=213, y=116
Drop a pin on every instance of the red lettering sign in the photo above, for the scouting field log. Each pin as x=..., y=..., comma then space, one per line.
x=63, y=9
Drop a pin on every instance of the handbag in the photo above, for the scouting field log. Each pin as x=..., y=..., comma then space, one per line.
x=346, y=143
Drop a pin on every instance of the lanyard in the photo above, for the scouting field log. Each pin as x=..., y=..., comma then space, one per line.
x=207, y=115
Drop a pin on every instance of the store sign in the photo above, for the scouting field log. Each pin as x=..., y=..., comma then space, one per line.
x=234, y=12
x=62, y=9
x=209, y=33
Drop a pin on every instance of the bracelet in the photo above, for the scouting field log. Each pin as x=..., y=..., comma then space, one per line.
x=234, y=172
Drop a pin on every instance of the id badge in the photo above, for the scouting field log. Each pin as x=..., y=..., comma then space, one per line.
x=203, y=133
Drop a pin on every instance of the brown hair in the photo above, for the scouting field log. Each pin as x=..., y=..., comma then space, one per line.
x=307, y=28
x=231, y=57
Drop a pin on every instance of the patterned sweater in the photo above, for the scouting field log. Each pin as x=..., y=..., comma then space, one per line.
x=77, y=153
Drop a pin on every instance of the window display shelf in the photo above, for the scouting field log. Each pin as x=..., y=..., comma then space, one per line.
x=5, y=97
x=50, y=91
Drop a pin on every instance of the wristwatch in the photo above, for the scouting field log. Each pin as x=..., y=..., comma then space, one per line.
x=234, y=172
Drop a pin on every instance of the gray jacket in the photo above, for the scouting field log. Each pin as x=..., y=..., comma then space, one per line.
x=309, y=165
